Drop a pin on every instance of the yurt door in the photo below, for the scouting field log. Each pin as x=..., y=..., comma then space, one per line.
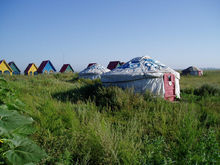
x=169, y=85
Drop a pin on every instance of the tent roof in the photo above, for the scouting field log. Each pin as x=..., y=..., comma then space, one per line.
x=137, y=68
x=64, y=67
x=91, y=64
x=29, y=66
x=12, y=63
x=192, y=68
x=113, y=64
x=94, y=69
x=6, y=65
x=43, y=64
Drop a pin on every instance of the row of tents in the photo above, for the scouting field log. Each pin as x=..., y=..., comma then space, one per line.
x=140, y=73
x=45, y=67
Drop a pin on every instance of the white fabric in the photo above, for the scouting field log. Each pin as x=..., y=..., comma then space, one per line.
x=141, y=73
x=93, y=72
x=177, y=87
x=154, y=85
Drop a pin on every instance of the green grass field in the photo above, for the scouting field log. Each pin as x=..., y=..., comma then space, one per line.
x=80, y=122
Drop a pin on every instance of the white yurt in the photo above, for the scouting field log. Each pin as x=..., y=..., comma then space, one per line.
x=93, y=72
x=144, y=73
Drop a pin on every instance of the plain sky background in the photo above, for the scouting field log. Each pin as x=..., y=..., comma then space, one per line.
x=179, y=33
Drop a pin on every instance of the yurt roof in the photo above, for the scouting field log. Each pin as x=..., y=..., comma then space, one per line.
x=137, y=68
x=192, y=68
x=94, y=69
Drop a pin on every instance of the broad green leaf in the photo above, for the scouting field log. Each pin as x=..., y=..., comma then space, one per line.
x=5, y=107
x=24, y=151
x=11, y=120
x=24, y=130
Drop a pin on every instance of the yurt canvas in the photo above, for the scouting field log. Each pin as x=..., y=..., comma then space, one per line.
x=144, y=73
x=192, y=70
x=93, y=72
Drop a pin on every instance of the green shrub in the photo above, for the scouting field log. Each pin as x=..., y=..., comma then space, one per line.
x=83, y=93
x=112, y=97
x=204, y=90
x=207, y=90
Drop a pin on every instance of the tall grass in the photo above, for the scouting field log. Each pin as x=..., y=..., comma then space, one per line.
x=80, y=122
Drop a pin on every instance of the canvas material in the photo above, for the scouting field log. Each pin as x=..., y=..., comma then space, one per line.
x=93, y=72
x=141, y=69
x=154, y=85
x=90, y=76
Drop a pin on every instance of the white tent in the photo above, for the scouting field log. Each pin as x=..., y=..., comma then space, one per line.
x=144, y=73
x=93, y=72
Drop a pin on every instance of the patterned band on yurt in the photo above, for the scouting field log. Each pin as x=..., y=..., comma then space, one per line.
x=144, y=73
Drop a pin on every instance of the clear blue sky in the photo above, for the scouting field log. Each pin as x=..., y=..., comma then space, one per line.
x=179, y=33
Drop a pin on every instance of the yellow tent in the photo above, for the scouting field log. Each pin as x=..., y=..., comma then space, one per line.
x=5, y=68
x=31, y=69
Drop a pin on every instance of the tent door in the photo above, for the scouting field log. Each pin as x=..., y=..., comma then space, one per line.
x=169, y=85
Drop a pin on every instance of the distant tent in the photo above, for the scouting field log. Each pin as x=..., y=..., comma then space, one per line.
x=93, y=72
x=66, y=68
x=192, y=70
x=114, y=64
x=5, y=68
x=91, y=64
x=16, y=70
x=31, y=69
x=46, y=67
x=144, y=73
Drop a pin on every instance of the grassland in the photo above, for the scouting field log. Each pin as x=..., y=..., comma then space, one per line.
x=80, y=122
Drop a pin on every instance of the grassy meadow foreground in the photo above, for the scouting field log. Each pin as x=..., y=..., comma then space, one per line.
x=81, y=122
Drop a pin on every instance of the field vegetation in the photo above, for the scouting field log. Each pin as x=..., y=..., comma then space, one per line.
x=78, y=121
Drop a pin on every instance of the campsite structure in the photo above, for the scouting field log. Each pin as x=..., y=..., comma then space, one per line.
x=192, y=70
x=15, y=69
x=114, y=64
x=90, y=64
x=93, y=72
x=144, y=73
x=66, y=68
x=5, y=68
x=31, y=69
x=46, y=67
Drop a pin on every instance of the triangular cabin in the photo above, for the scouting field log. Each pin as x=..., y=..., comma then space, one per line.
x=31, y=69
x=5, y=68
x=91, y=64
x=66, y=68
x=46, y=67
x=16, y=70
x=114, y=64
